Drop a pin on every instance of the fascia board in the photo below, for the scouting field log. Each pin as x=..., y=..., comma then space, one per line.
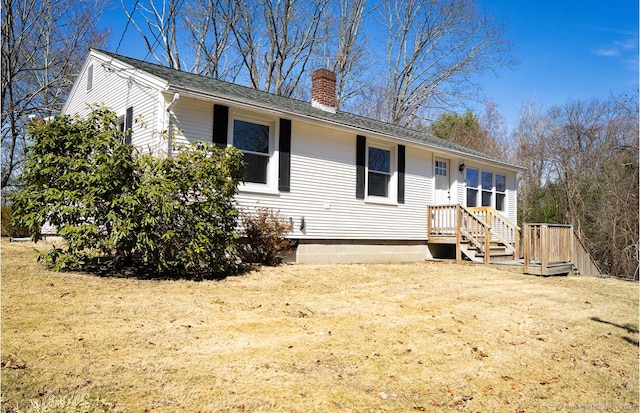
x=125, y=70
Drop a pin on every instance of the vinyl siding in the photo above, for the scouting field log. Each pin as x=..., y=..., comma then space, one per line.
x=117, y=90
x=192, y=120
x=323, y=181
x=323, y=160
x=511, y=197
x=323, y=191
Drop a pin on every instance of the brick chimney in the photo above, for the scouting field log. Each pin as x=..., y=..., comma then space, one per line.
x=323, y=90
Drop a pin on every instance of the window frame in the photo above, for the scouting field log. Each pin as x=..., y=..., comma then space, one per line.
x=392, y=186
x=271, y=185
x=120, y=126
x=484, y=190
x=502, y=194
x=475, y=188
x=124, y=125
x=439, y=168
x=90, y=77
x=481, y=190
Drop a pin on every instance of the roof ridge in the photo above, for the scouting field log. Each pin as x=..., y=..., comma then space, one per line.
x=187, y=73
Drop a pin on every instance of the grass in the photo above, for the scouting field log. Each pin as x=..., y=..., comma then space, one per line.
x=298, y=338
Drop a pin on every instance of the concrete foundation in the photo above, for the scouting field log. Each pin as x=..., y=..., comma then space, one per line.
x=359, y=251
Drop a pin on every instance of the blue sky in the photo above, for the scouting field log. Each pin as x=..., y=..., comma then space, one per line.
x=566, y=49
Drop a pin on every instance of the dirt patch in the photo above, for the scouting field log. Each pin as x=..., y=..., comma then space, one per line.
x=423, y=337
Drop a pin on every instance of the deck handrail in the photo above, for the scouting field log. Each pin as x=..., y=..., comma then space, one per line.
x=582, y=259
x=458, y=220
x=546, y=244
x=502, y=228
x=476, y=229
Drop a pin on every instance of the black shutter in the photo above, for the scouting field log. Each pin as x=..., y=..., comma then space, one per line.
x=401, y=165
x=220, y=125
x=128, y=124
x=361, y=147
x=284, y=177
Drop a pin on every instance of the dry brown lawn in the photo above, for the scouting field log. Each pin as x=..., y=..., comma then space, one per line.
x=298, y=338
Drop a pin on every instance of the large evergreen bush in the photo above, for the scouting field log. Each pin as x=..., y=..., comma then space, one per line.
x=118, y=209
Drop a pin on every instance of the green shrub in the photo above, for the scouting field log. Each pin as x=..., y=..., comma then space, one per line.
x=116, y=207
x=263, y=237
x=188, y=218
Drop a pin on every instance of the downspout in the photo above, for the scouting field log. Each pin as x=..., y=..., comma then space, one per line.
x=176, y=96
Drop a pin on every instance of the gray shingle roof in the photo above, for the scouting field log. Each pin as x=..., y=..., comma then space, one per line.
x=190, y=81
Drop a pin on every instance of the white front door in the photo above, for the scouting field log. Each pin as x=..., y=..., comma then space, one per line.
x=442, y=172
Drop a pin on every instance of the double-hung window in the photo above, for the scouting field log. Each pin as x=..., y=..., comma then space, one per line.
x=379, y=172
x=487, y=188
x=254, y=140
x=472, y=187
x=501, y=188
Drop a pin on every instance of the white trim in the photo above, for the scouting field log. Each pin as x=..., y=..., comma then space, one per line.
x=392, y=189
x=271, y=187
x=322, y=106
x=451, y=199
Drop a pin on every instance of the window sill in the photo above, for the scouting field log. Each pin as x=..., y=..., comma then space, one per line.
x=257, y=189
x=380, y=201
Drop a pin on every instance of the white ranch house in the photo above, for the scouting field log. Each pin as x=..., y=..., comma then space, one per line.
x=355, y=189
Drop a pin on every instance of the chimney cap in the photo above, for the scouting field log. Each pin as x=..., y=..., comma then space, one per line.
x=323, y=73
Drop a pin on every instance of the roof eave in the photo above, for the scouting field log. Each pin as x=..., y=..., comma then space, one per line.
x=278, y=111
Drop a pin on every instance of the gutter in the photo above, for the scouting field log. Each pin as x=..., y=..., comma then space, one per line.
x=176, y=96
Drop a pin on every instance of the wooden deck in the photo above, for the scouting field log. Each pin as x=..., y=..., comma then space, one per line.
x=484, y=235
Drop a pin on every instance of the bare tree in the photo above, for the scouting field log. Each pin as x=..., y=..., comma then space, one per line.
x=157, y=23
x=44, y=42
x=277, y=39
x=344, y=46
x=273, y=40
x=583, y=158
x=530, y=138
x=495, y=130
x=435, y=49
x=209, y=24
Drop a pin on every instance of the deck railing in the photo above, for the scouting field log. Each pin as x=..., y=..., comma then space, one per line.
x=547, y=245
x=457, y=220
x=479, y=225
x=544, y=245
x=502, y=229
x=582, y=260
x=551, y=244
